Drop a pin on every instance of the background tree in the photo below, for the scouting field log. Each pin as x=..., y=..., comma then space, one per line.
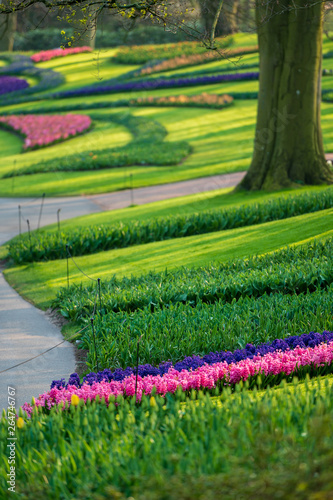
x=288, y=145
x=7, y=32
x=227, y=20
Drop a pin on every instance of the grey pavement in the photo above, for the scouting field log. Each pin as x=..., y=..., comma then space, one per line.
x=30, y=210
x=140, y=196
x=25, y=331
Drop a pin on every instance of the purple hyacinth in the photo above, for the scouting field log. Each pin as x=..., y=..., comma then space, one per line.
x=11, y=84
x=189, y=363
x=159, y=83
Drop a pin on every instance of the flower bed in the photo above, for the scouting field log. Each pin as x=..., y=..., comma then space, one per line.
x=158, y=83
x=41, y=131
x=140, y=54
x=185, y=60
x=274, y=361
x=47, y=55
x=203, y=100
x=22, y=65
x=11, y=84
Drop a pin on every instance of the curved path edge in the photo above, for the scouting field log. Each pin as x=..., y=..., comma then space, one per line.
x=25, y=331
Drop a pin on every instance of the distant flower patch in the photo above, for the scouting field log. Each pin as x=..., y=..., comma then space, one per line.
x=41, y=131
x=159, y=83
x=203, y=100
x=194, y=59
x=47, y=55
x=11, y=84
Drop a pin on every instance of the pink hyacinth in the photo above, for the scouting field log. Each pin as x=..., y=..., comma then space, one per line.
x=204, y=377
x=43, y=130
x=46, y=55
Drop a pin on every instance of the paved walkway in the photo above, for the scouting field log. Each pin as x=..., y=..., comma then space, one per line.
x=26, y=331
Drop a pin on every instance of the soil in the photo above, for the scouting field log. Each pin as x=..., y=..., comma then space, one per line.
x=59, y=321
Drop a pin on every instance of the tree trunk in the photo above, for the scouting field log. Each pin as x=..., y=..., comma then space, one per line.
x=227, y=22
x=288, y=146
x=8, y=33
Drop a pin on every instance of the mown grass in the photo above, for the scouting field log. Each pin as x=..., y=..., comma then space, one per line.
x=39, y=282
x=185, y=205
x=222, y=142
x=84, y=69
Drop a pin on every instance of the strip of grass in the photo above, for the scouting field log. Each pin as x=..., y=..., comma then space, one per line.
x=39, y=282
x=184, y=205
x=97, y=238
x=222, y=142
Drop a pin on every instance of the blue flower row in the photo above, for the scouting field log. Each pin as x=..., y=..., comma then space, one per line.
x=158, y=83
x=311, y=339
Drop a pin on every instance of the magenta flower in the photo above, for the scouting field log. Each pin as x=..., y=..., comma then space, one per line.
x=204, y=377
x=46, y=55
x=43, y=130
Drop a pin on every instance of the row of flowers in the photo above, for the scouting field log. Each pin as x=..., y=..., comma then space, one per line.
x=43, y=130
x=140, y=54
x=159, y=83
x=194, y=59
x=11, y=84
x=281, y=357
x=47, y=55
x=200, y=100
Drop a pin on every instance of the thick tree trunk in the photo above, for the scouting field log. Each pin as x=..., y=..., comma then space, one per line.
x=288, y=145
x=8, y=32
x=227, y=22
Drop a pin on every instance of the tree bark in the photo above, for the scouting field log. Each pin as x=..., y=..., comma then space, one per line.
x=227, y=22
x=288, y=146
x=8, y=32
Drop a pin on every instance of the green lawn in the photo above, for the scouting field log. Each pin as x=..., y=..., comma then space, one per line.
x=39, y=282
x=185, y=205
x=84, y=69
x=222, y=142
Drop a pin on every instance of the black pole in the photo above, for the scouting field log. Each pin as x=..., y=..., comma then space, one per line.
x=29, y=235
x=58, y=218
x=41, y=210
x=132, y=196
x=67, y=266
x=19, y=209
x=137, y=366
x=94, y=339
x=99, y=293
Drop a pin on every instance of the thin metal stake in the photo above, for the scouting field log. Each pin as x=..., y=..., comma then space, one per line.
x=58, y=218
x=137, y=366
x=19, y=209
x=99, y=293
x=94, y=339
x=41, y=210
x=67, y=266
x=29, y=235
x=132, y=195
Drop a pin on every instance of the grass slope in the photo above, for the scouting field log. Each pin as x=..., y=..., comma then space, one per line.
x=39, y=282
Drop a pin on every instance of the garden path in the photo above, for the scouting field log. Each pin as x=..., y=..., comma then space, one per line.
x=26, y=331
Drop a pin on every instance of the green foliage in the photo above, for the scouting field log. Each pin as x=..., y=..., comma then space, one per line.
x=88, y=240
x=146, y=148
x=177, y=331
x=291, y=270
x=49, y=38
x=276, y=444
